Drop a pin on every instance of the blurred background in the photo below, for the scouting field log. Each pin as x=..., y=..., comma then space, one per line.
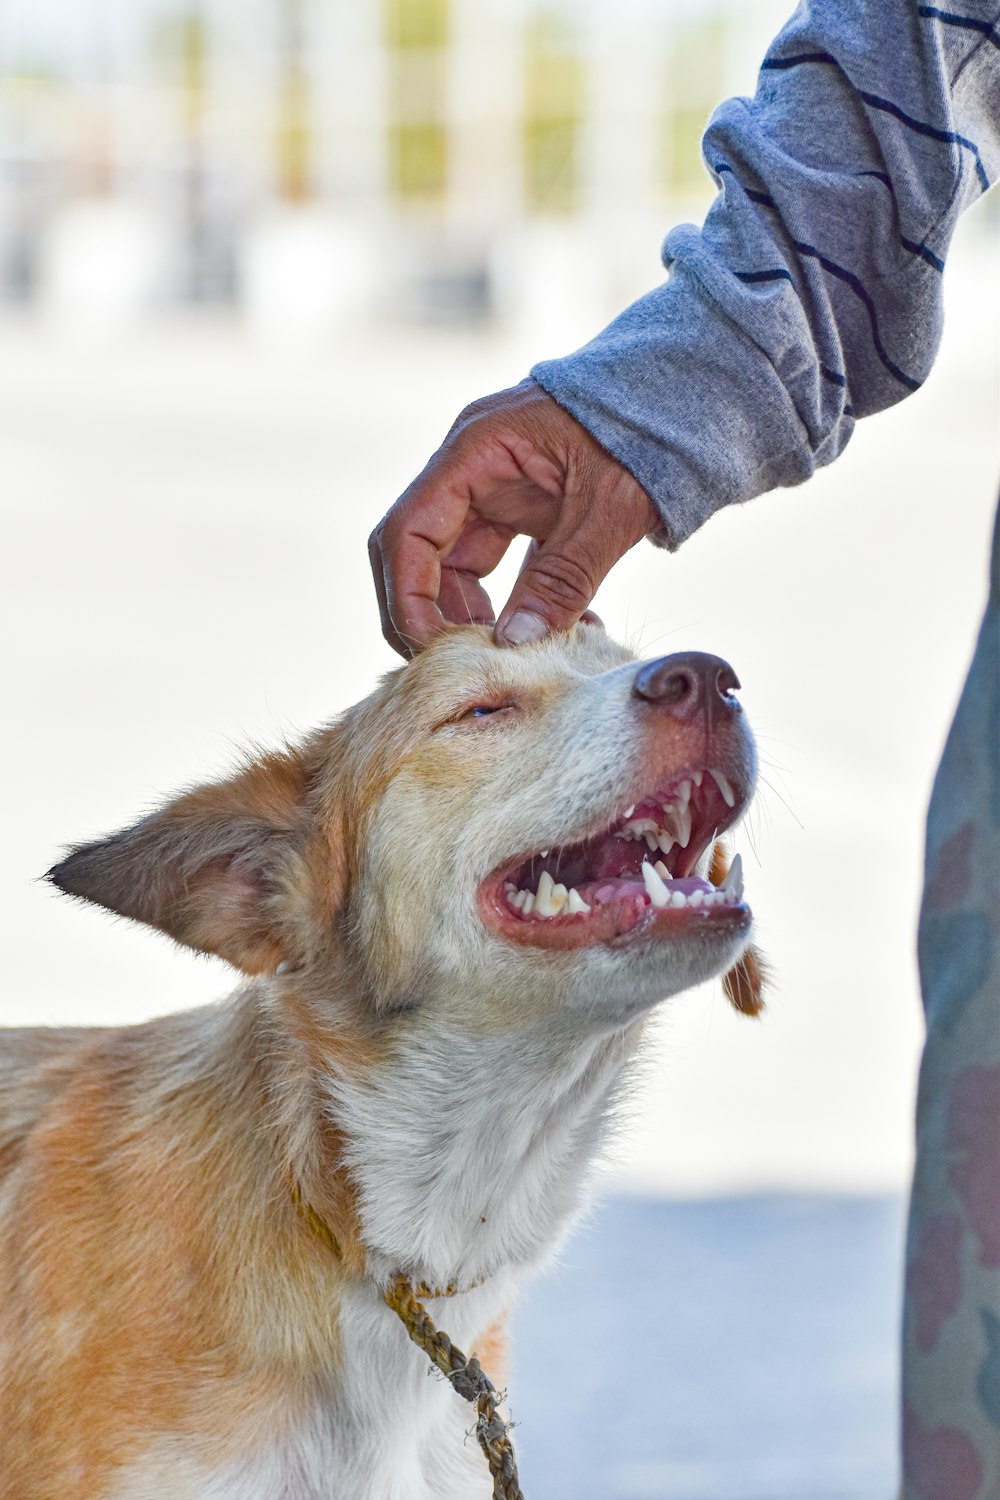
x=254, y=257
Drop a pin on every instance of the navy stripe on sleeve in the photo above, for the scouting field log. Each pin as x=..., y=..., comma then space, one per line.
x=841, y=273
x=931, y=12
x=838, y=380
x=950, y=137
x=861, y=292
x=755, y=276
x=911, y=246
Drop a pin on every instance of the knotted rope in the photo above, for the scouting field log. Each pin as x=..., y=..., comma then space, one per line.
x=468, y=1380
x=466, y=1375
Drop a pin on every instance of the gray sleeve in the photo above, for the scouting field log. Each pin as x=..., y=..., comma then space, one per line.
x=812, y=294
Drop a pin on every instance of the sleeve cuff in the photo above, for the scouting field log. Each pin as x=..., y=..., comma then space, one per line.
x=679, y=395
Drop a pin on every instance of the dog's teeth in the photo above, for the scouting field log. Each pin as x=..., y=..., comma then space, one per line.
x=629, y=811
x=651, y=839
x=722, y=782
x=684, y=793
x=544, y=853
x=698, y=777
x=544, y=905
x=547, y=899
x=733, y=883
x=678, y=898
x=682, y=818
x=517, y=899
x=661, y=870
x=575, y=902
x=666, y=842
x=696, y=898
x=528, y=904
x=655, y=889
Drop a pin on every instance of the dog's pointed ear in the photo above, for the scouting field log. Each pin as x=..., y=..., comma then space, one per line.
x=745, y=982
x=221, y=868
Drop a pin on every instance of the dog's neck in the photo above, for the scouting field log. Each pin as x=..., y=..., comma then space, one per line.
x=469, y=1152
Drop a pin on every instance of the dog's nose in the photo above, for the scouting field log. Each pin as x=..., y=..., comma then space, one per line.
x=688, y=683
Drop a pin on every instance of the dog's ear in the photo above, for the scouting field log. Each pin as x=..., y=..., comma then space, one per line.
x=744, y=983
x=221, y=868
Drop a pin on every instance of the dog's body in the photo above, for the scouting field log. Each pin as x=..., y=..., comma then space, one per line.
x=422, y=1059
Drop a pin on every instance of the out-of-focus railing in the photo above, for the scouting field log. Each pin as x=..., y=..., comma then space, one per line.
x=321, y=163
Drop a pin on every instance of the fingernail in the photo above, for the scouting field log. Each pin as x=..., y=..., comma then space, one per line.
x=524, y=627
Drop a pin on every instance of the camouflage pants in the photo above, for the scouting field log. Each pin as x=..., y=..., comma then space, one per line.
x=951, y=1326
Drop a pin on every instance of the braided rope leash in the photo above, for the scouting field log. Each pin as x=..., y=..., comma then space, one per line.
x=465, y=1375
x=468, y=1380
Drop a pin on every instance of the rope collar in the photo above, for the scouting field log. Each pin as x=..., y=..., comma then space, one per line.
x=466, y=1376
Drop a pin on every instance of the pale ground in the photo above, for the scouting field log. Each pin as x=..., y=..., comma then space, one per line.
x=748, y=1352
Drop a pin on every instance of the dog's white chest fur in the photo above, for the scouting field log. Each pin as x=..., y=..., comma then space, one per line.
x=393, y=1430
x=469, y=1152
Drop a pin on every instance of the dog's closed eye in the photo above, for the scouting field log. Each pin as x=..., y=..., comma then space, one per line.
x=477, y=713
x=483, y=710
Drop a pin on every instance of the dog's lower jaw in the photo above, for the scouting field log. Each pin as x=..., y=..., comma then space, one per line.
x=614, y=992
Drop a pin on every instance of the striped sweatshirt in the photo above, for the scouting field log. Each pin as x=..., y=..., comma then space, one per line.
x=811, y=296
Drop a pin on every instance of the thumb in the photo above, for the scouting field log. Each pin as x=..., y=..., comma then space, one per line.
x=559, y=578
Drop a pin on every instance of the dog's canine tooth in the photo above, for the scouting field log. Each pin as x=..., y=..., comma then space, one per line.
x=698, y=777
x=544, y=905
x=733, y=882
x=629, y=811
x=723, y=783
x=575, y=903
x=661, y=870
x=655, y=889
x=684, y=793
x=682, y=819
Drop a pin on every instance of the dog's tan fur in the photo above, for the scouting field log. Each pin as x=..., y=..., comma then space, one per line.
x=169, y=1325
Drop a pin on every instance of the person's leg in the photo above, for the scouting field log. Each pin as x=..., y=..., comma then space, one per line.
x=951, y=1324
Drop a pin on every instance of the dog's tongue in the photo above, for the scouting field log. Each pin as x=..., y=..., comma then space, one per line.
x=606, y=892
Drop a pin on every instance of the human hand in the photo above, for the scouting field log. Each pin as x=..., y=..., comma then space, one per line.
x=513, y=464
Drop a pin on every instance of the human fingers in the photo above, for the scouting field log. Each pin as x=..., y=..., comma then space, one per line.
x=563, y=572
x=406, y=549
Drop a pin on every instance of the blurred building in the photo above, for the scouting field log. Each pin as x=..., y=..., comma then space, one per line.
x=317, y=163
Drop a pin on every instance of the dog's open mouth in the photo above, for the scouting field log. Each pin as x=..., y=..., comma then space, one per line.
x=637, y=873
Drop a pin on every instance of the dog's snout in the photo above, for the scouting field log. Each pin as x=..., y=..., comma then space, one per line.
x=687, y=683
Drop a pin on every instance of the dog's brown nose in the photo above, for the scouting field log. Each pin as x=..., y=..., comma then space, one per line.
x=686, y=684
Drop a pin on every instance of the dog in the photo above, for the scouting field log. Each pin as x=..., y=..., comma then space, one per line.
x=453, y=909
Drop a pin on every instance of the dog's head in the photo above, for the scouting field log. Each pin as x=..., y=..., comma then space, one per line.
x=507, y=831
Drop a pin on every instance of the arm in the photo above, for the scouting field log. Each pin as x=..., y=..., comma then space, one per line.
x=810, y=297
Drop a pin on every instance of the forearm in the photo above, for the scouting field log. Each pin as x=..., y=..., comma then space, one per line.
x=812, y=295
